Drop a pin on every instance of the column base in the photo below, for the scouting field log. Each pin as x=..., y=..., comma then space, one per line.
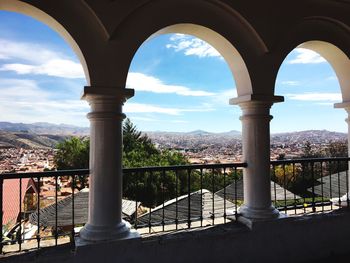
x=92, y=233
x=253, y=217
x=256, y=223
x=257, y=214
x=344, y=201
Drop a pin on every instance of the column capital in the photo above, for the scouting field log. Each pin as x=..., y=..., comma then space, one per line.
x=343, y=105
x=92, y=93
x=257, y=99
x=106, y=103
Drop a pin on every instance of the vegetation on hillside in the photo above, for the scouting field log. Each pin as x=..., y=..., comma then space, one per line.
x=299, y=178
x=154, y=188
x=139, y=151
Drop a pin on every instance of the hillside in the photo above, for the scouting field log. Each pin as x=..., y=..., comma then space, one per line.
x=38, y=135
x=201, y=139
x=44, y=128
x=313, y=136
x=28, y=140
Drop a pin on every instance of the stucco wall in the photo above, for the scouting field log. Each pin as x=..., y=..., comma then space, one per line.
x=294, y=239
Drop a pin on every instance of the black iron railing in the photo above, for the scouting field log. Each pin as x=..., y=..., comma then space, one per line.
x=185, y=196
x=174, y=197
x=301, y=186
x=17, y=240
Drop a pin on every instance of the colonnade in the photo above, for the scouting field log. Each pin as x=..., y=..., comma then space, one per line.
x=254, y=37
x=106, y=116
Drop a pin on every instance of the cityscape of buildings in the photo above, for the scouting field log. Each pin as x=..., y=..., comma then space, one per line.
x=204, y=147
x=198, y=147
x=26, y=160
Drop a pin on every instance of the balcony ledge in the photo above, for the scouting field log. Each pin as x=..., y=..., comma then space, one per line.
x=293, y=239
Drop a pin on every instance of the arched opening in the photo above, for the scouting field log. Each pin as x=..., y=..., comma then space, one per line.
x=313, y=79
x=183, y=80
x=313, y=74
x=41, y=80
x=29, y=10
x=229, y=53
x=192, y=42
x=186, y=62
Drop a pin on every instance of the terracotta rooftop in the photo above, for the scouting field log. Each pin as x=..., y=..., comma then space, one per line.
x=12, y=199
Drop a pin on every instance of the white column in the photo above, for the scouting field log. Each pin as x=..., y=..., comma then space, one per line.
x=105, y=197
x=256, y=153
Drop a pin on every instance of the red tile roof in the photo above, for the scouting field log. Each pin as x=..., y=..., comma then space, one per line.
x=11, y=198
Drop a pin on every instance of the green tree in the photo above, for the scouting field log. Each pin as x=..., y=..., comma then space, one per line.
x=337, y=149
x=311, y=152
x=138, y=151
x=73, y=153
x=304, y=175
x=281, y=156
x=149, y=188
x=135, y=140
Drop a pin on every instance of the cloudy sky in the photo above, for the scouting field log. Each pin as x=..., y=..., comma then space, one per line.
x=181, y=84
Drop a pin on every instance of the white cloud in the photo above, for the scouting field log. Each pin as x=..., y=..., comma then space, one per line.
x=142, y=82
x=56, y=68
x=33, y=53
x=332, y=78
x=148, y=108
x=290, y=83
x=24, y=101
x=179, y=121
x=192, y=46
x=16, y=90
x=2, y=57
x=228, y=94
x=38, y=60
x=143, y=119
x=146, y=119
x=325, y=103
x=317, y=97
x=306, y=56
x=222, y=97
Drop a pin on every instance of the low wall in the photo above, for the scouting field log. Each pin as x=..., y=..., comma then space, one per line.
x=293, y=239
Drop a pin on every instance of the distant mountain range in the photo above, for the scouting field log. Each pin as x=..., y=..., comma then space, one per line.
x=36, y=135
x=314, y=136
x=28, y=140
x=44, y=128
x=199, y=133
x=39, y=135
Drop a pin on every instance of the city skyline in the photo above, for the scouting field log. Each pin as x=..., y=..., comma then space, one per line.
x=181, y=84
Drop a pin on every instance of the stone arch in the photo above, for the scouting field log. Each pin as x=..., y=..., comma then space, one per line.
x=339, y=61
x=225, y=48
x=327, y=37
x=47, y=19
x=216, y=24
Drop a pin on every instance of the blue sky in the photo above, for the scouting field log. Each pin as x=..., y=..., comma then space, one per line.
x=181, y=84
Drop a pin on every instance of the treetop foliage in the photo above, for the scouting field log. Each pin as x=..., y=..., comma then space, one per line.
x=72, y=153
x=138, y=151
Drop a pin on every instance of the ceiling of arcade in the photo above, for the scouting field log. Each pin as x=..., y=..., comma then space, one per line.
x=263, y=32
x=269, y=18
